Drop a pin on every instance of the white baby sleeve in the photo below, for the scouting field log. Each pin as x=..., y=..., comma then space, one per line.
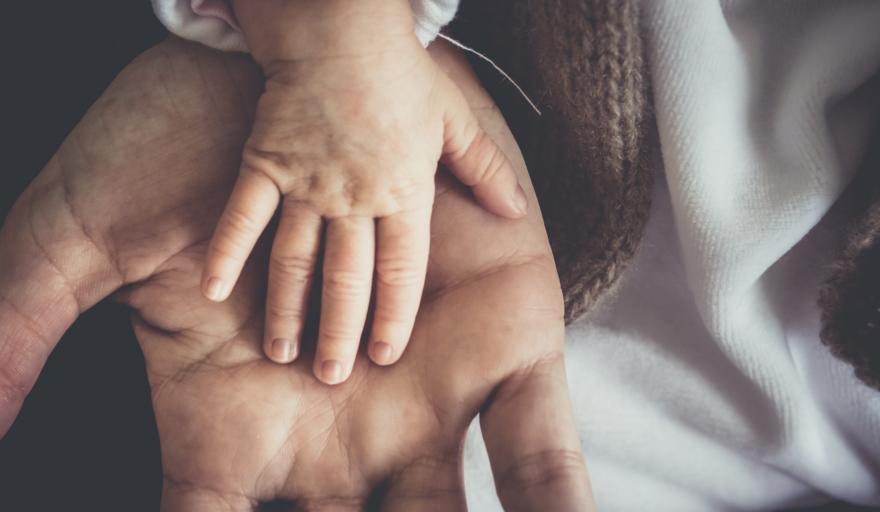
x=212, y=22
x=431, y=16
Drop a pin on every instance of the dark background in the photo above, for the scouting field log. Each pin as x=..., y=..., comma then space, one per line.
x=86, y=438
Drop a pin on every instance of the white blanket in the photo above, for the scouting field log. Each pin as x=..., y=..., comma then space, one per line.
x=701, y=384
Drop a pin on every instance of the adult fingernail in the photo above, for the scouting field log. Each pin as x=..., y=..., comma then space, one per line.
x=520, y=201
x=214, y=289
x=382, y=352
x=331, y=371
x=282, y=350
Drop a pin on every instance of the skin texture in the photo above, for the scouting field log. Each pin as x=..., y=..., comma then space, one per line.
x=128, y=204
x=348, y=132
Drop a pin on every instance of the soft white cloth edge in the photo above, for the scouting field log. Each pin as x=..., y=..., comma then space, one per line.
x=181, y=20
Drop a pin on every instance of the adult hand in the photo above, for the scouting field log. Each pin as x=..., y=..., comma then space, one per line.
x=141, y=177
x=132, y=197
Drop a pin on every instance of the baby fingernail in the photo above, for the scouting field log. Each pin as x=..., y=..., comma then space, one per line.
x=520, y=200
x=331, y=371
x=282, y=350
x=382, y=352
x=214, y=289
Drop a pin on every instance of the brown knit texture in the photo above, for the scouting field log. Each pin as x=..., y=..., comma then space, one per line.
x=582, y=62
x=850, y=298
x=588, y=154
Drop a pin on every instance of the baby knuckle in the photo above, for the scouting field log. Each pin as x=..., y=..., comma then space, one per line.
x=350, y=192
x=491, y=161
x=406, y=193
x=461, y=138
x=345, y=283
x=253, y=159
x=293, y=267
x=338, y=335
x=238, y=220
x=227, y=249
x=285, y=310
x=398, y=273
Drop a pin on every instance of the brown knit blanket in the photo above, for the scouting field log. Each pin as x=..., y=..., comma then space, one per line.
x=590, y=155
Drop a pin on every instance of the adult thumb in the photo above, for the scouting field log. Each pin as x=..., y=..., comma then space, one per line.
x=49, y=273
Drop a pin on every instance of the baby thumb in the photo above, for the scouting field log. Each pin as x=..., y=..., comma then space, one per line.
x=477, y=161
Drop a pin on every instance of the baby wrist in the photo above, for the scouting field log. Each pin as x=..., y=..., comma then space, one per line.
x=298, y=30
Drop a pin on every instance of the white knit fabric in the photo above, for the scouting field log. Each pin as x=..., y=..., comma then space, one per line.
x=701, y=383
x=211, y=22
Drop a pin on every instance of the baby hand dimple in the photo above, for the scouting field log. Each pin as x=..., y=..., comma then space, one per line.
x=334, y=193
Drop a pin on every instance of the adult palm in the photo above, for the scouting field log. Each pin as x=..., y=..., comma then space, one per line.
x=128, y=204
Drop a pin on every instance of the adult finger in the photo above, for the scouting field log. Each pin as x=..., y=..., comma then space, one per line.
x=478, y=162
x=429, y=483
x=532, y=442
x=291, y=271
x=345, y=296
x=250, y=208
x=403, y=242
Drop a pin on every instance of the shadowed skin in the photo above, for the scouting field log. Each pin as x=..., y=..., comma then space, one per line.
x=128, y=204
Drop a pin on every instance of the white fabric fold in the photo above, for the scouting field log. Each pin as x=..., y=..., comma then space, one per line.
x=701, y=383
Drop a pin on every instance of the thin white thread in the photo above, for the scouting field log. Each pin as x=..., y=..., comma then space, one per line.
x=497, y=68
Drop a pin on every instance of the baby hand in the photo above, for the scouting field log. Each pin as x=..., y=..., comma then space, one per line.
x=348, y=140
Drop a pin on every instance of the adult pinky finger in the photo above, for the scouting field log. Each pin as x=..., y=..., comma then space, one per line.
x=533, y=445
x=250, y=208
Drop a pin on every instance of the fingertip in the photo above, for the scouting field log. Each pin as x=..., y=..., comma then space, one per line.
x=215, y=289
x=330, y=372
x=512, y=206
x=281, y=350
x=382, y=353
